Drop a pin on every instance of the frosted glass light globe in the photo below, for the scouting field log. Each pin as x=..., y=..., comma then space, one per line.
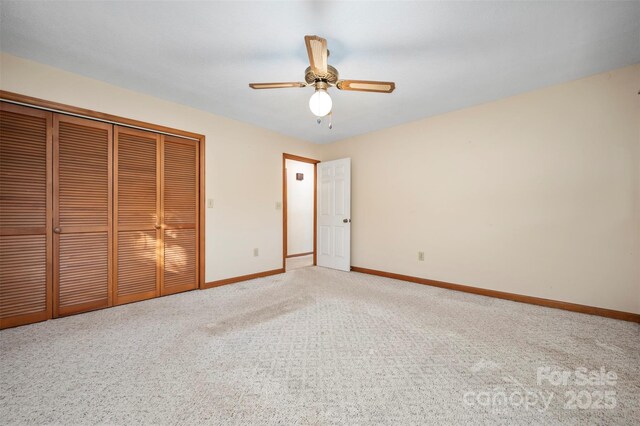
x=320, y=103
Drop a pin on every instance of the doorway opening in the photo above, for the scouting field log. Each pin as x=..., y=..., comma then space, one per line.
x=299, y=188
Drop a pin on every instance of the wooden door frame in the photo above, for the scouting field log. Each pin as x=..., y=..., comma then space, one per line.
x=286, y=157
x=42, y=104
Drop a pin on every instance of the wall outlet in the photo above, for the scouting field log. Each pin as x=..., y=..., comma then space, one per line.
x=256, y=252
x=421, y=256
x=210, y=203
x=278, y=205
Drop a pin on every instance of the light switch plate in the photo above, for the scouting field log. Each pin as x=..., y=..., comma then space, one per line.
x=210, y=203
x=278, y=205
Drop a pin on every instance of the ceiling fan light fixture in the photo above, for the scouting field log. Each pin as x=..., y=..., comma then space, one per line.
x=320, y=103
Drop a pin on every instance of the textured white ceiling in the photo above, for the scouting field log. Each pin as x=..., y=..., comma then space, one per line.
x=442, y=55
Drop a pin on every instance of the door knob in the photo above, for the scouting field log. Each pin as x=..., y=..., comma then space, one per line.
x=56, y=230
x=346, y=220
x=157, y=226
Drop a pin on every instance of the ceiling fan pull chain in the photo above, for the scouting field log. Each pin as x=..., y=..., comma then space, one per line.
x=319, y=121
x=331, y=120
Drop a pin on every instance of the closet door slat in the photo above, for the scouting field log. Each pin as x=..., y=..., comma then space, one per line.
x=82, y=214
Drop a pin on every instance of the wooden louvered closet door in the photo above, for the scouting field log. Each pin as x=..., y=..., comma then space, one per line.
x=180, y=214
x=82, y=214
x=137, y=219
x=25, y=215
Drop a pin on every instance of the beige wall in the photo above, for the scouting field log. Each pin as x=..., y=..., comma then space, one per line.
x=537, y=194
x=243, y=162
x=299, y=207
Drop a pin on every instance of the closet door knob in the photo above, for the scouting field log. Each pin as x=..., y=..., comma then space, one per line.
x=56, y=230
x=157, y=226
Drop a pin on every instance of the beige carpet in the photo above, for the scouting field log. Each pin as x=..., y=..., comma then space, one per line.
x=316, y=346
x=299, y=262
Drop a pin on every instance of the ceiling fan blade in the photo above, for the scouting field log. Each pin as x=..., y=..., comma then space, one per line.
x=276, y=85
x=367, y=86
x=317, y=50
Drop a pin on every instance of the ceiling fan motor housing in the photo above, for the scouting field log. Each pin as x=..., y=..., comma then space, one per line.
x=331, y=77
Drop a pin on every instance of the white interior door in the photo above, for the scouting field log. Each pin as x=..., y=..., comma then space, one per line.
x=334, y=214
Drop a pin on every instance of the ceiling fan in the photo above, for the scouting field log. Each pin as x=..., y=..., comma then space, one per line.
x=321, y=75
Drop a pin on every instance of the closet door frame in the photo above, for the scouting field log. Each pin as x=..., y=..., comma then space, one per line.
x=53, y=106
x=48, y=312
